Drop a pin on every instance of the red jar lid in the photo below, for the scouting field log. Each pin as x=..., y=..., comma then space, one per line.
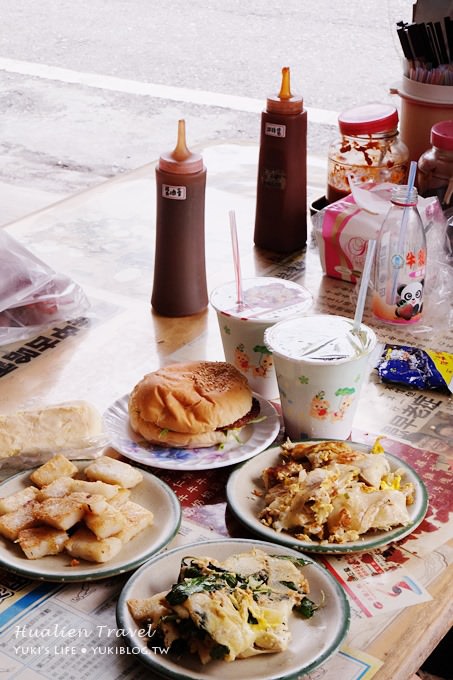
x=368, y=119
x=442, y=135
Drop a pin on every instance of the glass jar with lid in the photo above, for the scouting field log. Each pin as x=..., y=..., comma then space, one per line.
x=369, y=149
x=435, y=166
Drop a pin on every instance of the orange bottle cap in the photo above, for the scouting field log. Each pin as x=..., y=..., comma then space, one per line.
x=181, y=161
x=285, y=102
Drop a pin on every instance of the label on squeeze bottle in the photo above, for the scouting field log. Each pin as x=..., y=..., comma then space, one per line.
x=176, y=193
x=273, y=130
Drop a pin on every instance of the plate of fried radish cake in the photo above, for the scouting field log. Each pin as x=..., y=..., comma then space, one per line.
x=83, y=520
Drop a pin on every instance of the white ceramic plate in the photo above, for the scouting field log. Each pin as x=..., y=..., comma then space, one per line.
x=151, y=493
x=313, y=640
x=246, y=505
x=254, y=438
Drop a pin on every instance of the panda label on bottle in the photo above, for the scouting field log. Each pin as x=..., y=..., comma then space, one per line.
x=400, y=262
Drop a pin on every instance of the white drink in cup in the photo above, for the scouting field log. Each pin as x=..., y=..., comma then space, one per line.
x=266, y=300
x=321, y=367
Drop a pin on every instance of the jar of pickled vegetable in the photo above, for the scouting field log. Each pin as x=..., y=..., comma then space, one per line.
x=368, y=149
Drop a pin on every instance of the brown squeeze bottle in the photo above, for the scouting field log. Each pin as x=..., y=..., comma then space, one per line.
x=281, y=201
x=179, y=287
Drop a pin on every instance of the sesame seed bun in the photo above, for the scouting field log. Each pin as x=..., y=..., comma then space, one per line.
x=189, y=404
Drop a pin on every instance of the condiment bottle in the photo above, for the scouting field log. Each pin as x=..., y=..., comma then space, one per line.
x=400, y=261
x=435, y=166
x=281, y=201
x=368, y=149
x=179, y=287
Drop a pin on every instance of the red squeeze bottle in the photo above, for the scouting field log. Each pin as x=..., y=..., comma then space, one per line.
x=281, y=201
x=179, y=287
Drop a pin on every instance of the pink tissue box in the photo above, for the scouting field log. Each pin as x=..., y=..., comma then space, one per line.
x=342, y=231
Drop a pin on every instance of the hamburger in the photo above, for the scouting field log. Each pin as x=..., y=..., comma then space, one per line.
x=191, y=404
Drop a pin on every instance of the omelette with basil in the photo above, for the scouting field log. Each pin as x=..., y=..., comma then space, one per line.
x=228, y=610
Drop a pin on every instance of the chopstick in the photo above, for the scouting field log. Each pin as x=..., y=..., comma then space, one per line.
x=428, y=50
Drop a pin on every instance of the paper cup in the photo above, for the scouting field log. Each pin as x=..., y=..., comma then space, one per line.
x=266, y=300
x=320, y=370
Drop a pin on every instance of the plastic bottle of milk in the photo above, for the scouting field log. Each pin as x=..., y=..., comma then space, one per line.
x=400, y=261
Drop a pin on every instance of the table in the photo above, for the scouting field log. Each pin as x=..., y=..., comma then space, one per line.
x=104, y=239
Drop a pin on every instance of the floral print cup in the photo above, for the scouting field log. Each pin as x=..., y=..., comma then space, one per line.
x=320, y=367
x=266, y=300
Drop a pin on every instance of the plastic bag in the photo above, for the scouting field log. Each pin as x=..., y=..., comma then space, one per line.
x=32, y=295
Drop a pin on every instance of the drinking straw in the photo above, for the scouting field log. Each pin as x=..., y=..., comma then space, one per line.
x=364, y=280
x=236, y=259
x=402, y=234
